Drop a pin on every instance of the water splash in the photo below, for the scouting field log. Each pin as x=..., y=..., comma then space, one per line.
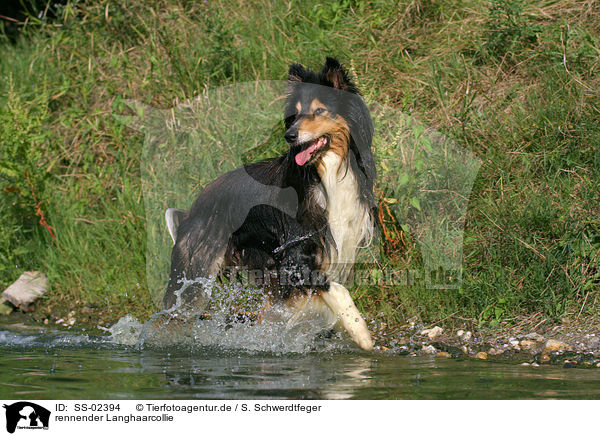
x=237, y=317
x=126, y=331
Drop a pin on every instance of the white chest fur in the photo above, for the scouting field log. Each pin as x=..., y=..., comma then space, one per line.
x=349, y=220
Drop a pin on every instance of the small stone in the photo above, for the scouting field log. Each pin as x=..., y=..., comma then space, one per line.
x=525, y=364
x=526, y=344
x=28, y=288
x=5, y=307
x=513, y=341
x=443, y=354
x=544, y=358
x=494, y=352
x=460, y=333
x=598, y=365
x=481, y=355
x=535, y=336
x=384, y=348
x=554, y=345
x=535, y=364
x=428, y=349
x=46, y=321
x=432, y=333
x=467, y=336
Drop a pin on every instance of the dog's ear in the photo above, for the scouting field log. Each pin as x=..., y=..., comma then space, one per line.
x=297, y=73
x=337, y=76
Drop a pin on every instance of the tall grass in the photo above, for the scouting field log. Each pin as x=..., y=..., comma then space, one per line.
x=515, y=82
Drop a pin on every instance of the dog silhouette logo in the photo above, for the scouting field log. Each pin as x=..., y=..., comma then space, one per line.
x=26, y=415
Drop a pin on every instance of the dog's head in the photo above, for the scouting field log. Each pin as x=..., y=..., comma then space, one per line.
x=325, y=112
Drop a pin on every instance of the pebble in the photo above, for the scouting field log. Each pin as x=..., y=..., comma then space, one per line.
x=535, y=336
x=428, y=349
x=467, y=336
x=5, y=307
x=525, y=364
x=544, y=358
x=443, y=354
x=460, y=333
x=481, y=355
x=433, y=333
x=554, y=345
x=526, y=344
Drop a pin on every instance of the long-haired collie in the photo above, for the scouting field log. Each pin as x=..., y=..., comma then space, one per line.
x=301, y=217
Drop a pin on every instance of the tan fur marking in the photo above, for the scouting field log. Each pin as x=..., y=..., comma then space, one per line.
x=316, y=104
x=314, y=126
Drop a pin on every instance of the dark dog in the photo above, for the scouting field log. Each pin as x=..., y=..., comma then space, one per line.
x=301, y=217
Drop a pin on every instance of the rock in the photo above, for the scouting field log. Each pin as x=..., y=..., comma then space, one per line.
x=513, y=341
x=428, y=349
x=494, y=352
x=527, y=344
x=467, y=336
x=535, y=364
x=535, y=336
x=460, y=333
x=28, y=288
x=544, y=358
x=554, y=345
x=5, y=307
x=481, y=355
x=525, y=364
x=432, y=333
x=443, y=354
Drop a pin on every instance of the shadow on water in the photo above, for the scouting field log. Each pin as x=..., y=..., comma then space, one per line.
x=67, y=365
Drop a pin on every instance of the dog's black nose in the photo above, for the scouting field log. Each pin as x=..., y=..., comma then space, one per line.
x=291, y=135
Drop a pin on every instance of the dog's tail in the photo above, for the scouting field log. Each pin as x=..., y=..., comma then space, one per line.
x=173, y=217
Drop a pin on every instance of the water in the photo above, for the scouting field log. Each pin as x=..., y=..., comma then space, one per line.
x=72, y=365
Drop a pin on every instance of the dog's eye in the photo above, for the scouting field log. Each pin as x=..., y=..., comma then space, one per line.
x=319, y=111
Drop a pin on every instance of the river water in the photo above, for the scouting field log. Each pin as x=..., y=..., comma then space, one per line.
x=52, y=364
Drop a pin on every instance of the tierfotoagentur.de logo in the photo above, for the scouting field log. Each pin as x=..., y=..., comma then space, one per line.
x=25, y=415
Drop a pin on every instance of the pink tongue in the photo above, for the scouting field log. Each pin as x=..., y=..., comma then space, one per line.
x=304, y=155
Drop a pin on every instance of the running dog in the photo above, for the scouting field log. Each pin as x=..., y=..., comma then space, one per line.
x=302, y=217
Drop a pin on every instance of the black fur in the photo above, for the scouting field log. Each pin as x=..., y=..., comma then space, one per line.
x=264, y=216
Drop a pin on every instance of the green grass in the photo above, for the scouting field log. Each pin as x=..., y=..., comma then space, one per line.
x=514, y=82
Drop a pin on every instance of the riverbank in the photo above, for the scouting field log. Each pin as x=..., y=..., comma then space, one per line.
x=572, y=343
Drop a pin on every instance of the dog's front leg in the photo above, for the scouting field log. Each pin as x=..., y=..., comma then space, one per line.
x=338, y=299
